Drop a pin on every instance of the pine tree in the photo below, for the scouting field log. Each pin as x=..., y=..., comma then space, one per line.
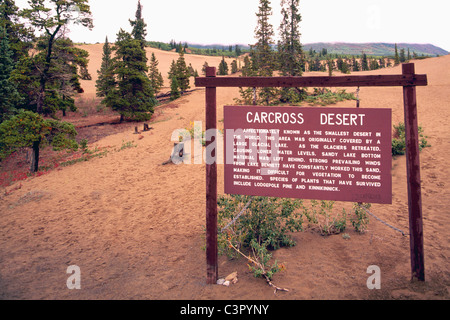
x=205, y=65
x=133, y=96
x=174, y=88
x=331, y=67
x=58, y=14
x=262, y=54
x=355, y=64
x=345, y=68
x=223, y=67
x=9, y=96
x=263, y=57
x=156, y=78
x=69, y=66
x=19, y=36
x=402, y=55
x=106, y=80
x=139, y=31
x=396, y=58
x=234, y=66
x=364, y=63
x=289, y=47
x=182, y=73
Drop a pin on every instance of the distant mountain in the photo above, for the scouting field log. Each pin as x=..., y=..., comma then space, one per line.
x=376, y=49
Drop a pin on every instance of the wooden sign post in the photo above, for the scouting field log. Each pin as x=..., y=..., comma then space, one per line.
x=408, y=80
x=211, y=186
x=413, y=174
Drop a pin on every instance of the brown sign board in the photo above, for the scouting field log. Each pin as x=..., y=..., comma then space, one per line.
x=337, y=154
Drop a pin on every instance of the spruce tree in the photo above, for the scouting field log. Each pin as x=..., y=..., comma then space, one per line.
x=106, y=80
x=182, y=73
x=396, y=58
x=262, y=53
x=234, y=66
x=263, y=57
x=290, y=50
x=69, y=66
x=174, y=88
x=133, y=96
x=156, y=78
x=58, y=14
x=205, y=65
x=139, y=31
x=355, y=64
x=19, y=36
x=174, y=83
x=402, y=55
x=9, y=96
x=364, y=63
x=223, y=67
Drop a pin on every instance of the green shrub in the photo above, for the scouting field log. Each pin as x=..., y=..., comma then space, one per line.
x=399, y=140
x=263, y=227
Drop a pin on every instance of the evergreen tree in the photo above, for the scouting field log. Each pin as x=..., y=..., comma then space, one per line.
x=402, y=55
x=174, y=88
x=396, y=58
x=139, y=31
x=355, y=64
x=133, y=96
x=156, y=78
x=205, y=65
x=9, y=96
x=106, y=80
x=20, y=37
x=263, y=58
x=331, y=66
x=68, y=67
x=364, y=63
x=52, y=17
x=223, y=67
x=234, y=66
x=289, y=47
x=262, y=54
x=238, y=50
x=345, y=68
x=182, y=73
x=62, y=81
x=173, y=69
x=374, y=64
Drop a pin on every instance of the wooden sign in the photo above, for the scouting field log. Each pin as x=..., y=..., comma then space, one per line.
x=408, y=80
x=309, y=153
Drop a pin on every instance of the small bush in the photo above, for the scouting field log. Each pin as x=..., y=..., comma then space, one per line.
x=399, y=140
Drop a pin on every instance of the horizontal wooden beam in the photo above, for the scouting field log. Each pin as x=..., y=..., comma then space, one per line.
x=297, y=82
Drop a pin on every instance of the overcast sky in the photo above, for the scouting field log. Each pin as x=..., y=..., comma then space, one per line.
x=234, y=21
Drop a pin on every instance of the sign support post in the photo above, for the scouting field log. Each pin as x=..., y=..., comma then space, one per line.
x=413, y=174
x=211, y=185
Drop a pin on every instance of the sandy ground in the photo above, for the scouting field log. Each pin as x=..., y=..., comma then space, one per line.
x=136, y=228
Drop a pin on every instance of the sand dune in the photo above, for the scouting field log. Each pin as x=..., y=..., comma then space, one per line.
x=135, y=227
x=164, y=58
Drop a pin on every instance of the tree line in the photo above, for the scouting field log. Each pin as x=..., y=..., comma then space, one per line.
x=286, y=57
